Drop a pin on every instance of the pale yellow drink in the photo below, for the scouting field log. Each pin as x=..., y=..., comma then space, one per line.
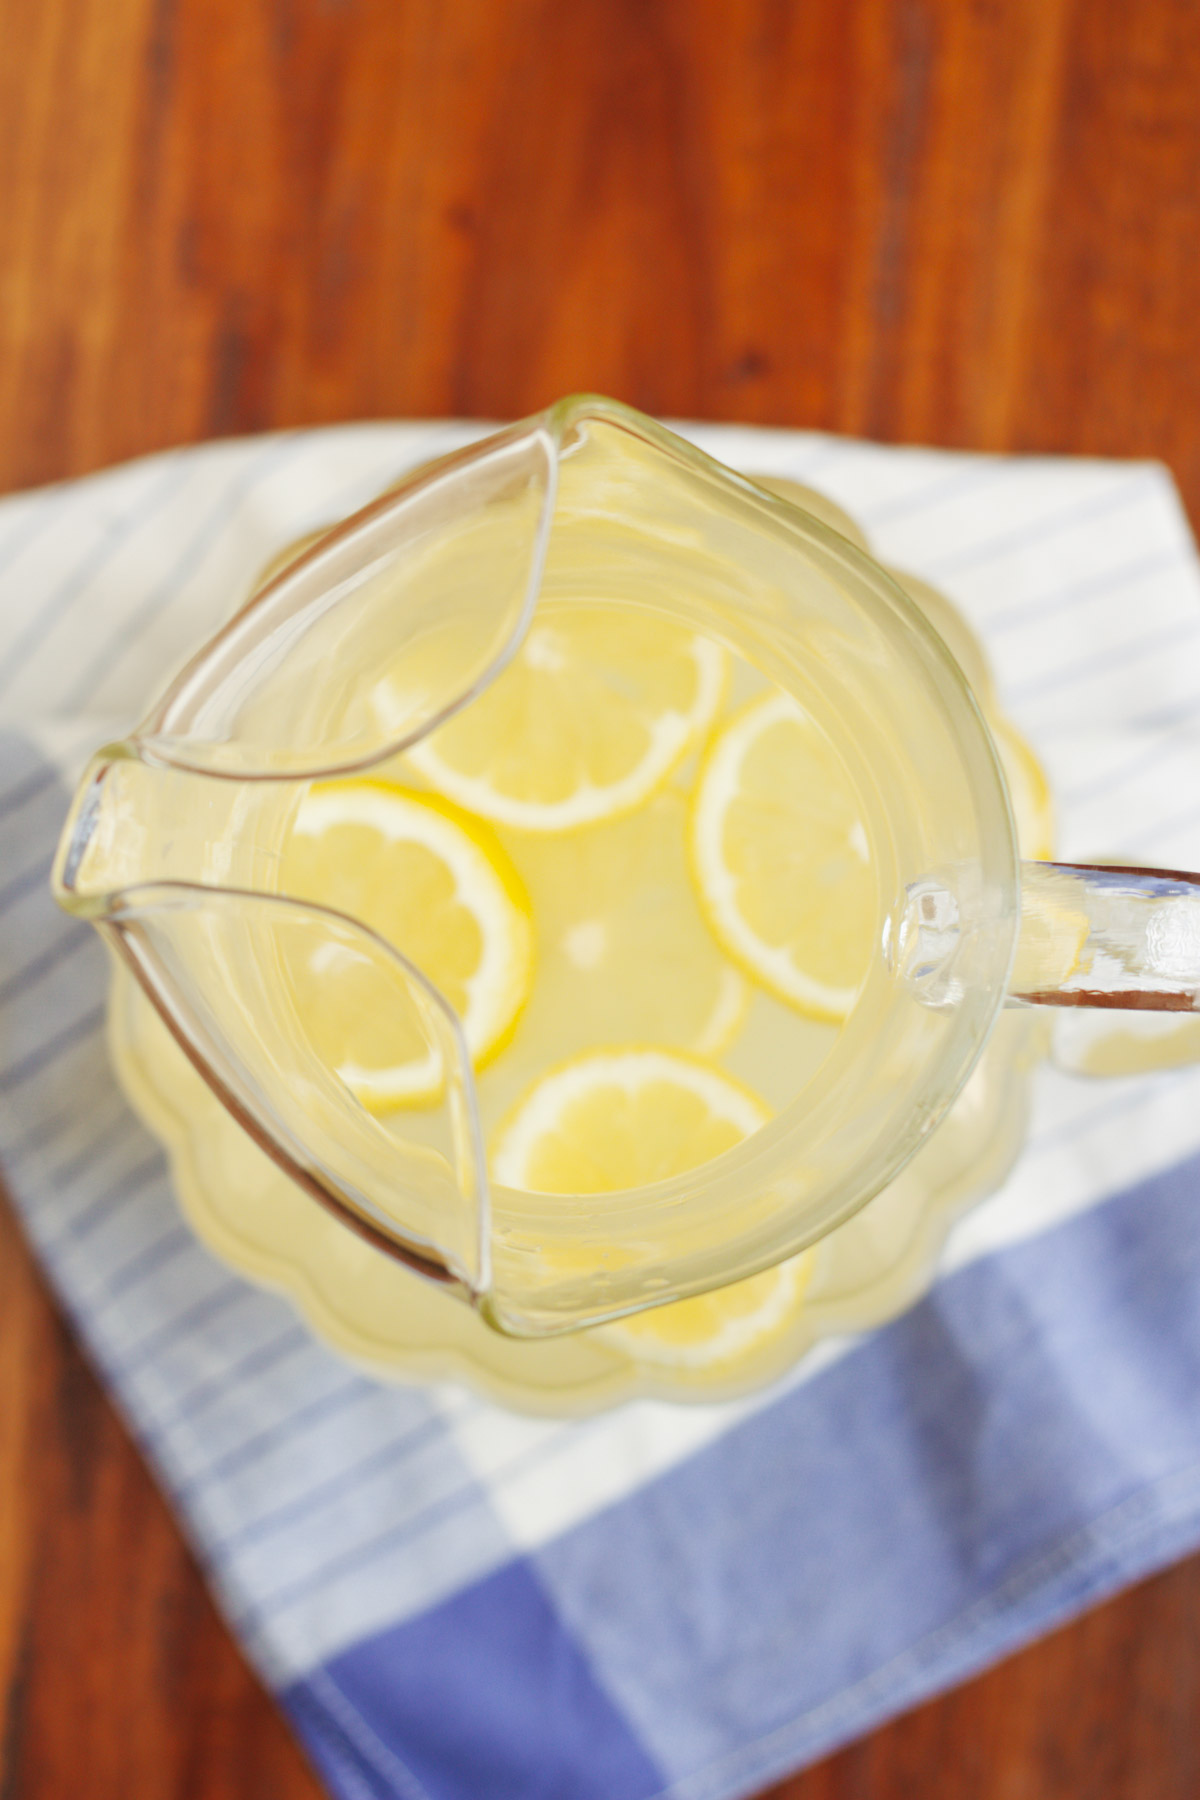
x=679, y=937
x=649, y=867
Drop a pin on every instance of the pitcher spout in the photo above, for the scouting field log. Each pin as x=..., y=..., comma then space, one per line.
x=134, y=822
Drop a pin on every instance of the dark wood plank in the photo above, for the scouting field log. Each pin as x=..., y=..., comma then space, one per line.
x=959, y=221
x=117, y=1677
x=1106, y=1706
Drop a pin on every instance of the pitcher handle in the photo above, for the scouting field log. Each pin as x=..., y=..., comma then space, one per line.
x=1100, y=936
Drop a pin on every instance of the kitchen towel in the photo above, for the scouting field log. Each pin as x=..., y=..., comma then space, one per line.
x=449, y=1600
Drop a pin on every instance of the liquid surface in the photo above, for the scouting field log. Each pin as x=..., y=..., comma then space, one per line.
x=663, y=852
x=638, y=887
x=640, y=875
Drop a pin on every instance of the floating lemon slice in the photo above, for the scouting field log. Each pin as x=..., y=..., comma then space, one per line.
x=594, y=712
x=1028, y=788
x=718, y=1327
x=618, y=1119
x=781, y=859
x=622, y=1118
x=436, y=887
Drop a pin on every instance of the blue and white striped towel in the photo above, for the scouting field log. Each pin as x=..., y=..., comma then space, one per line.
x=453, y=1602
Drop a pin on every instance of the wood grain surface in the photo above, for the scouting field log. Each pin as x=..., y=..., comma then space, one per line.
x=964, y=222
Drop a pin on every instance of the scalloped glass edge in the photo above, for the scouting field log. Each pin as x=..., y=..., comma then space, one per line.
x=320, y=1267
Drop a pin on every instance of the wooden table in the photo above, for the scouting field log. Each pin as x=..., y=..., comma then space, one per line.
x=963, y=222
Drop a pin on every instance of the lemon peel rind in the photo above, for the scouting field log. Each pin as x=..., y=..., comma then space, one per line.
x=672, y=736
x=1028, y=789
x=727, y=1017
x=467, y=851
x=716, y=886
x=631, y=1067
x=734, y=1340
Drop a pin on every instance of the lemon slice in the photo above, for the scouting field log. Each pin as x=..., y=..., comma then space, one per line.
x=719, y=1327
x=622, y=1118
x=436, y=887
x=596, y=709
x=781, y=859
x=625, y=1118
x=1028, y=789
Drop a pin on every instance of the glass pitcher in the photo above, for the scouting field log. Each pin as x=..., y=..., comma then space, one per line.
x=391, y=632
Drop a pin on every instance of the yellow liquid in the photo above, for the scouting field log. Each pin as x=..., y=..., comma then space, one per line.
x=634, y=965
x=626, y=950
x=628, y=955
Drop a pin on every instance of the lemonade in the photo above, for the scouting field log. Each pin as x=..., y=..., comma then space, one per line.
x=639, y=874
x=568, y=979
x=643, y=876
